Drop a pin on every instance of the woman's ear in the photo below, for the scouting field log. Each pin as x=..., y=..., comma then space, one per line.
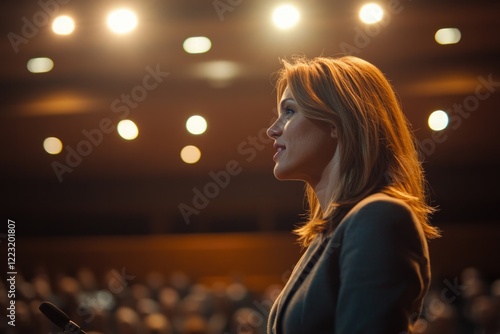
x=333, y=132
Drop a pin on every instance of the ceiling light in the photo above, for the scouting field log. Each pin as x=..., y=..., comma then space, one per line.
x=63, y=25
x=199, y=44
x=127, y=129
x=438, y=120
x=218, y=70
x=190, y=154
x=447, y=36
x=40, y=65
x=122, y=21
x=196, y=125
x=52, y=145
x=371, y=13
x=286, y=16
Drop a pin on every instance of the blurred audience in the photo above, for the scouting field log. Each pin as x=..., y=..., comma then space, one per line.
x=121, y=304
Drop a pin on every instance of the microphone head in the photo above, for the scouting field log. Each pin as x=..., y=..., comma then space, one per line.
x=54, y=314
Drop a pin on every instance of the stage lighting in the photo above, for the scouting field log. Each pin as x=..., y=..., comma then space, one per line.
x=190, y=154
x=122, y=21
x=196, y=125
x=40, y=65
x=438, y=120
x=63, y=25
x=447, y=36
x=52, y=145
x=371, y=13
x=286, y=16
x=198, y=44
x=127, y=129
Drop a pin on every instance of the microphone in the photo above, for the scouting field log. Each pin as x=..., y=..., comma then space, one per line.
x=59, y=318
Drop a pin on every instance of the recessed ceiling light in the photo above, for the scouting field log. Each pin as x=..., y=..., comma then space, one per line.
x=122, y=21
x=198, y=44
x=40, y=65
x=448, y=36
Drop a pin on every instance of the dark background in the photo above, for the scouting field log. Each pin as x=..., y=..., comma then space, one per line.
x=118, y=209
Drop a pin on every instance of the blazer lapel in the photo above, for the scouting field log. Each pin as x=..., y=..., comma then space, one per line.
x=299, y=273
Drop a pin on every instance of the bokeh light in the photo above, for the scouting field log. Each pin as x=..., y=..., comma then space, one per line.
x=40, y=65
x=196, y=125
x=218, y=69
x=52, y=145
x=122, y=21
x=63, y=25
x=438, y=120
x=371, y=13
x=127, y=129
x=448, y=36
x=190, y=154
x=198, y=44
x=286, y=16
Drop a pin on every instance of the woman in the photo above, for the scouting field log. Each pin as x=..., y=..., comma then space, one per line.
x=366, y=268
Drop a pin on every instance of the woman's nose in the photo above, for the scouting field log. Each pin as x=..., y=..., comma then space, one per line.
x=274, y=130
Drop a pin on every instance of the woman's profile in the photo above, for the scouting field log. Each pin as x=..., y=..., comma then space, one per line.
x=340, y=129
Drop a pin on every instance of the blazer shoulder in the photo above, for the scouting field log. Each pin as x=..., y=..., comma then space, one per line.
x=382, y=205
x=381, y=213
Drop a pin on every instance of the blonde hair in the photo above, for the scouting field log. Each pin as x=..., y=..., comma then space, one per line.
x=377, y=149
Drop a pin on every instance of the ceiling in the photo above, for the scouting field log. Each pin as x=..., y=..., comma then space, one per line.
x=94, y=68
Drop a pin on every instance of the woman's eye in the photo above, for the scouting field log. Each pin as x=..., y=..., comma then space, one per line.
x=289, y=111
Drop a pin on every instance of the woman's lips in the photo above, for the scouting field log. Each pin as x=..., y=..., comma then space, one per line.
x=279, y=149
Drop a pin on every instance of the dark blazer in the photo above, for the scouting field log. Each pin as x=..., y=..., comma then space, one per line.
x=369, y=276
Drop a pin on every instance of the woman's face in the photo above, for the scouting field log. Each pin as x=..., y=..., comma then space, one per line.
x=304, y=147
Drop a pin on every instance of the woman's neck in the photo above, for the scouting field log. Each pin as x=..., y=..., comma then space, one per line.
x=326, y=184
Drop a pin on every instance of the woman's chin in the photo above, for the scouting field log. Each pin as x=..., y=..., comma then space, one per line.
x=281, y=174
x=278, y=173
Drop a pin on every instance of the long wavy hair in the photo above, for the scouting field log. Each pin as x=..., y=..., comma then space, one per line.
x=378, y=152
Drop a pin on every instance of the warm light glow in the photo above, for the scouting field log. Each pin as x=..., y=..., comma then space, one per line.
x=127, y=129
x=286, y=16
x=199, y=44
x=63, y=25
x=438, y=120
x=447, y=36
x=190, y=154
x=196, y=125
x=218, y=70
x=52, y=145
x=40, y=65
x=59, y=102
x=122, y=21
x=371, y=13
